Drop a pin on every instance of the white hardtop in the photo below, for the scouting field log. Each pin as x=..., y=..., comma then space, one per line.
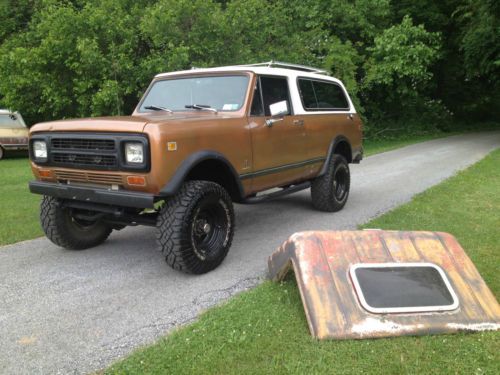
x=269, y=68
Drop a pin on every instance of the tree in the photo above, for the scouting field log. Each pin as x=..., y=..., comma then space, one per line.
x=398, y=69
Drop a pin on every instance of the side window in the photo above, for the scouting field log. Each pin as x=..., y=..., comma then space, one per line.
x=307, y=93
x=274, y=89
x=257, y=109
x=327, y=96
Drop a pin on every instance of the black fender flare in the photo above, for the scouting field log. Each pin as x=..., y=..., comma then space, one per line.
x=175, y=183
x=331, y=149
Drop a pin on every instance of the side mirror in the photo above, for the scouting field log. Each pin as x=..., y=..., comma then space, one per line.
x=279, y=109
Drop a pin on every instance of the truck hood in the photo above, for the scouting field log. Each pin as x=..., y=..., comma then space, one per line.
x=132, y=124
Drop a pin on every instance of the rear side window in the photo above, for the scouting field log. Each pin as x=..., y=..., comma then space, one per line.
x=322, y=96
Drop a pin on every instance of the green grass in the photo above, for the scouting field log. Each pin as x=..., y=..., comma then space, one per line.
x=19, y=208
x=265, y=330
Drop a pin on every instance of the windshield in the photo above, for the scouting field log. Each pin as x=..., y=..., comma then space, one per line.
x=10, y=121
x=223, y=93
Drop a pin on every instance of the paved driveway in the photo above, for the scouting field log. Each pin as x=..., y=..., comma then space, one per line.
x=75, y=312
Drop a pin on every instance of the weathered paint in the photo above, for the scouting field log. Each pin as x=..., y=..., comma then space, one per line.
x=321, y=262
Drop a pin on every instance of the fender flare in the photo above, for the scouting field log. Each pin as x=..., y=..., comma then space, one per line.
x=331, y=149
x=175, y=183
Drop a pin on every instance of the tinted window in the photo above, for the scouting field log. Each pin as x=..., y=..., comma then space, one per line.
x=307, y=94
x=257, y=109
x=274, y=90
x=320, y=95
x=403, y=287
x=224, y=93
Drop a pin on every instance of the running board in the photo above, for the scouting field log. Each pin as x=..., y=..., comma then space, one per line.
x=289, y=190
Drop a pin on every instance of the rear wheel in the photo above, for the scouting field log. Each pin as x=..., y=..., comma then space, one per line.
x=330, y=192
x=63, y=229
x=2, y=153
x=195, y=227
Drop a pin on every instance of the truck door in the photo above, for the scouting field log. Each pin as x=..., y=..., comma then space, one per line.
x=279, y=146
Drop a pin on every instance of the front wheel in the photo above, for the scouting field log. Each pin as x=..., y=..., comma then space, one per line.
x=2, y=153
x=329, y=192
x=63, y=229
x=195, y=228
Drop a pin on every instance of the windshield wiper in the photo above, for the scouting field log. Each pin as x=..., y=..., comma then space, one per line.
x=201, y=107
x=158, y=108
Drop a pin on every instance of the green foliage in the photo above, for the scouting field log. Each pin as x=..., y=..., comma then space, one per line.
x=403, y=52
x=73, y=62
x=73, y=58
x=480, y=39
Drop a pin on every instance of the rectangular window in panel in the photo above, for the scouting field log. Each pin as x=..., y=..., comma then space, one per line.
x=403, y=287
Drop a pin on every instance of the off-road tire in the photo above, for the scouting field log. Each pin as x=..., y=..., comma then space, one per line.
x=2, y=153
x=326, y=193
x=178, y=233
x=63, y=230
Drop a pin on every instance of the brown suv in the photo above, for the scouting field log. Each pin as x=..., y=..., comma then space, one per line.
x=198, y=141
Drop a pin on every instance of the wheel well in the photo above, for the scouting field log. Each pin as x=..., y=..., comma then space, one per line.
x=343, y=148
x=218, y=172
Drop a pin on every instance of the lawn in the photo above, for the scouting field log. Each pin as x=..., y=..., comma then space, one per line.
x=19, y=219
x=265, y=330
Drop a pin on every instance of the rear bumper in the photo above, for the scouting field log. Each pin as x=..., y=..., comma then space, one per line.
x=93, y=195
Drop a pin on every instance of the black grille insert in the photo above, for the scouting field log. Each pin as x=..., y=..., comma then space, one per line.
x=83, y=159
x=83, y=144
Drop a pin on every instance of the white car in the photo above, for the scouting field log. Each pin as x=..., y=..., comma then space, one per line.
x=13, y=132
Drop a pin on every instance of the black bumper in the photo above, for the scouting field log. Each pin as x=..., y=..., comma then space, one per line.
x=93, y=195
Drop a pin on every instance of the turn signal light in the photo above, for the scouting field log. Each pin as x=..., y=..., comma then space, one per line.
x=136, y=180
x=45, y=174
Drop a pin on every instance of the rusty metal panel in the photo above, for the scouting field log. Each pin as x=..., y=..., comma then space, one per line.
x=322, y=260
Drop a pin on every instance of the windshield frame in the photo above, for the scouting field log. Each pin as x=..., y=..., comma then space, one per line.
x=239, y=111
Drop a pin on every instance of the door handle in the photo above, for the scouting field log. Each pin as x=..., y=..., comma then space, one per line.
x=298, y=122
x=271, y=121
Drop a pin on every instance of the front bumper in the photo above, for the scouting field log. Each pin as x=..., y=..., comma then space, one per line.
x=118, y=198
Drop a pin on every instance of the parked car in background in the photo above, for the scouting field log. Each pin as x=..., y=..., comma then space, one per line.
x=13, y=132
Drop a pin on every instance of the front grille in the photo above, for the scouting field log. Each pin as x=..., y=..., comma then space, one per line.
x=90, y=151
x=92, y=160
x=82, y=176
x=83, y=144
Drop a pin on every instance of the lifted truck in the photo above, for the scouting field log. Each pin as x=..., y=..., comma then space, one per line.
x=198, y=141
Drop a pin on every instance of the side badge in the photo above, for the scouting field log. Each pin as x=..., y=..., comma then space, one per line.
x=172, y=146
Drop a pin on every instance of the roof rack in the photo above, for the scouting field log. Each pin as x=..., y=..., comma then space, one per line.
x=279, y=64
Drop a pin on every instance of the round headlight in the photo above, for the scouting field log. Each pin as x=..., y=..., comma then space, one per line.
x=134, y=153
x=40, y=149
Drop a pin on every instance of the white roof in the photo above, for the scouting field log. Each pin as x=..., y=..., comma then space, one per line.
x=263, y=70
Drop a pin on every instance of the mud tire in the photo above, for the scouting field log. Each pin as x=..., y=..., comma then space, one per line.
x=329, y=192
x=189, y=246
x=63, y=230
